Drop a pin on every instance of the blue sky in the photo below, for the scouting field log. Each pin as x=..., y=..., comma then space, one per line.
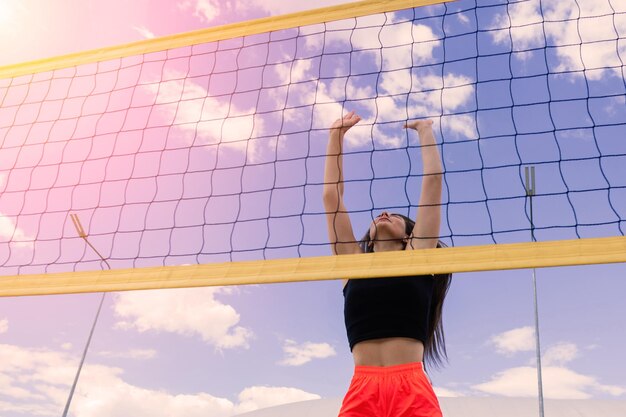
x=238, y=176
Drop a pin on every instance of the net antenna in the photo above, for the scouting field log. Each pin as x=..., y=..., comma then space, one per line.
x=530, y=192
x=83, y=235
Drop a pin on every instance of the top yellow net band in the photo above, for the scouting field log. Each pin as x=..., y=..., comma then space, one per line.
x=252, y=27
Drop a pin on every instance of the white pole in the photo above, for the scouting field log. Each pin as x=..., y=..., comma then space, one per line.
x=530, y=192
x=83, y=235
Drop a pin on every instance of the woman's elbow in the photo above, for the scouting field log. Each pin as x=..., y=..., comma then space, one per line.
x=330, y=197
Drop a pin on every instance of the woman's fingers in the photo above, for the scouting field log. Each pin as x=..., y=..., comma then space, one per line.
x=347, y=121
x=418, y=124
x=351, y=116
x=351, y=119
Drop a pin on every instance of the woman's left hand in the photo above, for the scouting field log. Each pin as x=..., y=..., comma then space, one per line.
x=346, y=122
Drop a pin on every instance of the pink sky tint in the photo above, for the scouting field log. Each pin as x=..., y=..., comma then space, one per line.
x=36, y=29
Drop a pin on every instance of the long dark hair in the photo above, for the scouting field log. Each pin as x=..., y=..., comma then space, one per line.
x=435, y=347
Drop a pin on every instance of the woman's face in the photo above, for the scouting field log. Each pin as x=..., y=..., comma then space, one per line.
x=388, y=226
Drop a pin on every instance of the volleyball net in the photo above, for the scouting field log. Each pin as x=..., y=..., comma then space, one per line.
x=197, y=159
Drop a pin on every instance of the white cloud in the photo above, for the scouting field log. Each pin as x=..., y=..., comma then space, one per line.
x=10, y=232
x=203, y=119
x=558, y=382
x=131, y=354
x=188, y=311
x=411, y=44
x=27, y=409
x=568, y=24
x=66, y=346
x=278, y=7
x=297, y=72
x=405, y=44
x=104, y=393
x=428, y=93
x=36, y=382
x=612, y=106
x=144, y=31
x=521, y=339
x=205, y=10
x=43, y=378
x=559, y=354
x=254, y=398
x=445, y=392
x=463, y=125
x=4, y=325
x=22, y=369
x=525, y=22
x=612, y=390
x=463, y=19
x=296, y=355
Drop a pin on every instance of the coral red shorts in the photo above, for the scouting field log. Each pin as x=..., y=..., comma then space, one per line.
x=392, y=391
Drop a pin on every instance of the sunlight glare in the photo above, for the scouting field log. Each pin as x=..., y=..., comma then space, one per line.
x=6, y=12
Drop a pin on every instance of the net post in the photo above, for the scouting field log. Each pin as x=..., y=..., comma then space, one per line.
x=530, y=192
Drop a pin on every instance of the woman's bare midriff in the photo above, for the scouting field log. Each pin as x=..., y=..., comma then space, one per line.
x=388, y=352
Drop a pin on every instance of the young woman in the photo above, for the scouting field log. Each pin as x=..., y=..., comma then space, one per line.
x=393, y=324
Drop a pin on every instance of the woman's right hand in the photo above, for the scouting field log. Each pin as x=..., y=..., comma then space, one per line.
x=419, y=125
x=344, y=124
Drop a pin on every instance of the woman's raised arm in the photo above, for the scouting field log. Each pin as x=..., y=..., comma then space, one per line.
x=340, y=231
x=426, y=231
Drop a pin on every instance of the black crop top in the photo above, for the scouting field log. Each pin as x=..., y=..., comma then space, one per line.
x=375, y=308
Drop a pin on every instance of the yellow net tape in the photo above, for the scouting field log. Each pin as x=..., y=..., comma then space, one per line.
x=383, y=264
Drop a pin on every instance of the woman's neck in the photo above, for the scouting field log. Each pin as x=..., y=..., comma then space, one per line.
x=387, y=245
